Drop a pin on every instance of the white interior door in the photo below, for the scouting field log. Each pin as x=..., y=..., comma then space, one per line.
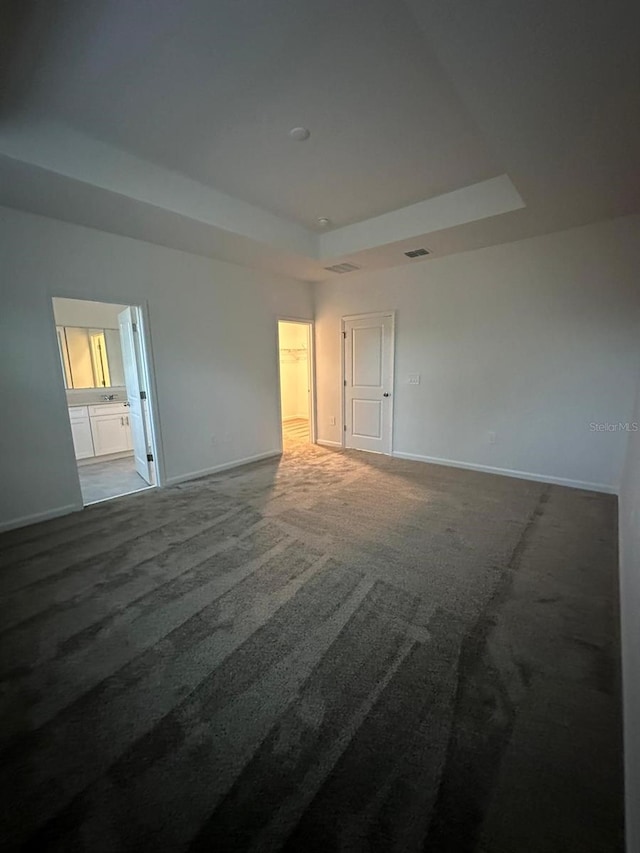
x=136, y=391
x=368, y=382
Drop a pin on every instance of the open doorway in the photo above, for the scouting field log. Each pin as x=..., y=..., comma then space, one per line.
x=105, y=372
x=296, y=381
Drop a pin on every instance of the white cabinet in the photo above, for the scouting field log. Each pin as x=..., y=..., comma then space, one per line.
x=129, y=433
x=110, y=428
x=109, y=434
x=100, y=430
x=81, y=431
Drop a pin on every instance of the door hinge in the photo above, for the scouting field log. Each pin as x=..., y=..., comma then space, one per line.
x=149, y=457
x=134, y=326
x=344, y=428
x=344, y=335
x=345, y=383
x=143, y=395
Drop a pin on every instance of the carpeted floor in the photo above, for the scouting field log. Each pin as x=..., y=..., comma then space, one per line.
x=296, y=430
x=328, y=652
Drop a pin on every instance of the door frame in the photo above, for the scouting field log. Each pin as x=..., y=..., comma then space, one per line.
x=372, y=315
x=311, y=371
x=156, y=442
x=139, y=352
x=149, y=365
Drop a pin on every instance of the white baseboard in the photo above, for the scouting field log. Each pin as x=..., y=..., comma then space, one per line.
x=236, y=463
x=508, y=472
x=326, y=443
x=25, y=520
x=107, y=457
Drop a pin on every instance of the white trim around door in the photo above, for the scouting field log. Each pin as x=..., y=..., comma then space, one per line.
x=367, y=381
x=139, y=314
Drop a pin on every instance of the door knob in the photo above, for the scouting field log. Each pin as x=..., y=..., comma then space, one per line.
x=385, y=394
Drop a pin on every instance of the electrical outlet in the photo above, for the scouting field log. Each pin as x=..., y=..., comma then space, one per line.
x=414, y=379
x=491, y=437
x=332, y=421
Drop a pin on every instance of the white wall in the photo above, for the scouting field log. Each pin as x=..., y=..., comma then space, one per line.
x=629, y=527
x=85, y=314
x=214, y=347
x=294, y=370
x=534, y=340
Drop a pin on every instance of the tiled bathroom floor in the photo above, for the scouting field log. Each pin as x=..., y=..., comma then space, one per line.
x=109, y=479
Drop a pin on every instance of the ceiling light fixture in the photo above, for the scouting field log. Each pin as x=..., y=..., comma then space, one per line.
x=323, y=222
x=300, y=134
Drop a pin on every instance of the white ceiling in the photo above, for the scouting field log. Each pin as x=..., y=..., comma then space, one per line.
x=168, y=120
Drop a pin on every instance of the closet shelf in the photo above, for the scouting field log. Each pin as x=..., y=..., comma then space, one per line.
x=292, y=354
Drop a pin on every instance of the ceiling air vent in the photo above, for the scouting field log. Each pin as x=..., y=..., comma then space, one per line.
x=340, y=268
x=417, y=253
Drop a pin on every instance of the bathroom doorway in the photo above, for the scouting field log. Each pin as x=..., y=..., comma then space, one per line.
x=105, y=372
x=295, y=344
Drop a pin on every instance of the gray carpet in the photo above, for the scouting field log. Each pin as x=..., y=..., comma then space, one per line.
x=328, y=652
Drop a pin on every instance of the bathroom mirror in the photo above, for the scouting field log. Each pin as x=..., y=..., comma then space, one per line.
x=90, y=358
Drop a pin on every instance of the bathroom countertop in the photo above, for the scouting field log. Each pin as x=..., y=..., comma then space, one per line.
x=77, y=405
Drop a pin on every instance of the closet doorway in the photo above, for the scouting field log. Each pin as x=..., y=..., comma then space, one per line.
x=295, y=343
